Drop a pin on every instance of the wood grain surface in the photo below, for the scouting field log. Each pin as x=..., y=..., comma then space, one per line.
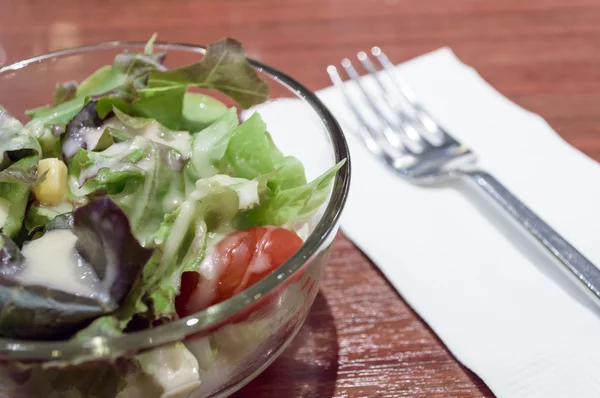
x=361, y=339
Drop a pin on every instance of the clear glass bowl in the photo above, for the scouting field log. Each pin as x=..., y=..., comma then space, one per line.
x=234, y=340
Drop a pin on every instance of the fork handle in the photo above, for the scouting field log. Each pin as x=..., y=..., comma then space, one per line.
x=574, y=263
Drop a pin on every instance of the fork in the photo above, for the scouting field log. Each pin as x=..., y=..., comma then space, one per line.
x=401, y=133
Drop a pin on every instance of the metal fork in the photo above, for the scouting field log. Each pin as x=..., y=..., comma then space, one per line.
x=406, y=138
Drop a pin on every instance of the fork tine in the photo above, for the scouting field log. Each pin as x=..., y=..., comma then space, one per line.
x=368, y=65
x=406, y=120
x=370, y=136
x=403, y=88
x=425, y=120
x=395, y=139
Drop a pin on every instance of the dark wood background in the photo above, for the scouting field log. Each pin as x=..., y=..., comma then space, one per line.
x=361, y=339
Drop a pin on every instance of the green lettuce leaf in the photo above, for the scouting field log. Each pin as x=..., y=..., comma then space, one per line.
x=163, y=104
x=120, y=99
x=244, y=151
x=126, y=68
x=49, y=139
x=132, y=122
x=16, y=142
x=289, y=206
x=149, y=47
x=147, y=200
x=60, y=114
x=48, y=124
x=19, y=154
x=105, y=171
x=65, y=92
x=39, y=215
x=251, y=153
x=209, y=146
x=200, y=111
x=142, y=176
x=248, y=153
x=224, y=67
x=13, y=202
x=151, y=129
x=23, y=171
x=171, y=106
x=15, y=189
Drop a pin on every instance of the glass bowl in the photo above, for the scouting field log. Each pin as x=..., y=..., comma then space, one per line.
x=232, y=341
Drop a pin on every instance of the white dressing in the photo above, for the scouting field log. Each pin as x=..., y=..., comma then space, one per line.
x=115, y=149
x=152, y=130
x=92, y=135
x=52, y=261
x=70, y=147
x=178, y=231
x=106, y=159
x=172, y=199
x=260, y=261
x=211, y=268
x=247, y=190
x=206, y=144
x=178, y=140
x=109, y=158
x=146, y=163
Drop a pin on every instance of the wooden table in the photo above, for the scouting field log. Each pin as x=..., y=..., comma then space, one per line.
x=361, y=339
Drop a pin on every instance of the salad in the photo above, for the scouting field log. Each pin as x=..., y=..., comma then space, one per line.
x=134, y=199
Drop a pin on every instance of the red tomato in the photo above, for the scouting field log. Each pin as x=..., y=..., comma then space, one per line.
x=242, y=259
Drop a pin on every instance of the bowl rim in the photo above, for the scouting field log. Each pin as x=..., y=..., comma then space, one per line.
x=98, y=348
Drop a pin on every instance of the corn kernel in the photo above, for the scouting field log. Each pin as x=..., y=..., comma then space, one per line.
x=52, y=188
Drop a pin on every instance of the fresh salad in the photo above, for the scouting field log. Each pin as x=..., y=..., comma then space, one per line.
x=135, y=199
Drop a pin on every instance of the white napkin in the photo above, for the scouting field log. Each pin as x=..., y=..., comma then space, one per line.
x=492, y=296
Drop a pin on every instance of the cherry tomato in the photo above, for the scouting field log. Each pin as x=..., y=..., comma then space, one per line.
x=241, y=259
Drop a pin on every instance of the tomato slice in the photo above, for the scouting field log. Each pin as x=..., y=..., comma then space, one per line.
x=241, y=259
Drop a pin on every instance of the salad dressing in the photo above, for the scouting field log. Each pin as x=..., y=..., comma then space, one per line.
x=152, y=130
x=105, y=160
x=260, y=261
x=115, y=149
x=172, y=199
x=178, y=140
x=70, y=148
x=92, y=135
x=146, y=163
x=211, y=268
x=51, y=261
